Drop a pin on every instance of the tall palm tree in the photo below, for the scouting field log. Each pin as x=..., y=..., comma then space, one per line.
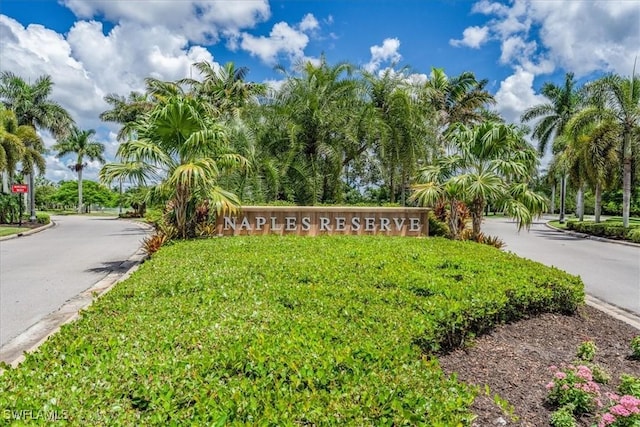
x=489, y=162
x=593, y=158
x=553, y=116
x=80, y=143
x=616, y=100
x=33, y=107
x=182, y=151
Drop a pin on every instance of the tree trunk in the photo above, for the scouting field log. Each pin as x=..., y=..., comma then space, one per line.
x=5, y=182
x=552, y=205
x=477, y=207
x=626, y=180
x=180, y=210
x=453, y=219
x=80, y=190
x=598, y=206
x=580, y=203
x=392, y=191
x=563, y=193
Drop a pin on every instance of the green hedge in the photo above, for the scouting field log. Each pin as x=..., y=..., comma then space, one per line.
x=607, y=230
x=43, y=218
x=285, y=331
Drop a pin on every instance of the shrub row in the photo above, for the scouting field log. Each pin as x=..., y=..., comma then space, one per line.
x=333, y=330
x=608, y=230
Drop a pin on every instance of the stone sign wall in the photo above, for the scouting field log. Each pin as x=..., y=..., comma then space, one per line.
x=318, y=220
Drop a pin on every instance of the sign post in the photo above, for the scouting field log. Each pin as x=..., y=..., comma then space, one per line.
x=20, y=189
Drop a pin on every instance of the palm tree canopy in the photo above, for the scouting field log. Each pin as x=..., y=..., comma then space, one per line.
x=80, y=142
x=553, y=116
x=32, y=105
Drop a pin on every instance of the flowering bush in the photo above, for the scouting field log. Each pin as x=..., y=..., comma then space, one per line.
x=622, y=411
x=574, y=386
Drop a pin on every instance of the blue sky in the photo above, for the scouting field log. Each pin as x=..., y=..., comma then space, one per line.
x=95, y=47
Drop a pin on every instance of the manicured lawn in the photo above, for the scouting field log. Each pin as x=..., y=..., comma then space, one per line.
x=8, y=231
x=285, y=331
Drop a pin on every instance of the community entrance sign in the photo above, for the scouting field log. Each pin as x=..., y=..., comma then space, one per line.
x=318, y=220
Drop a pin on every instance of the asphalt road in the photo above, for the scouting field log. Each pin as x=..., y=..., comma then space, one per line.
x=610, y=271
x=40, y=272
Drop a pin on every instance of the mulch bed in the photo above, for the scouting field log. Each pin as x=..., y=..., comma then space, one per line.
x=514, y=362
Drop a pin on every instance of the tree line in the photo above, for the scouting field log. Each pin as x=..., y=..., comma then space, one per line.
x=334, y=134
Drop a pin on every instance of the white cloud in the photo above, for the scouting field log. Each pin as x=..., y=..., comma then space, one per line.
x=282, y=40
x=516, y=94
x=87, y=64
x=473, y=37
x=578, y=36
x=201, y=21
x=309, y=23
x=387, y=52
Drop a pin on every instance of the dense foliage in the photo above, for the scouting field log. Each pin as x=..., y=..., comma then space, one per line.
x=285, y=330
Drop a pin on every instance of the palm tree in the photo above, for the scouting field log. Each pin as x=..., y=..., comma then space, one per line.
x=593, y=158
x=616, y=100
x=564, y=102
x=33, y=107
x=321, y=107
x=489, y=162
x=182, y=151
x=225, y=88
x=459, y=99
x=80, y=143
x=399, y=129
x=12, y=147
x=126, y=111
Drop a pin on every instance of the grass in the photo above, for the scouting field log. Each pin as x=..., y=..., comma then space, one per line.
x=333, y=330
x=8, y=231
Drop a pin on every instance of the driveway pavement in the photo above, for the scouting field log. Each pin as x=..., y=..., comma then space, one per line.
x=42, y=271
x=610, y=271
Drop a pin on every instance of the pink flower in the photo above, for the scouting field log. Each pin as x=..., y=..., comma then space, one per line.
x=550, y=385
x=631, y=403
x=606, y=420
x=620, y=411
x=565, y=387
x=553, y=368
x=584, y=373
x=560, y=375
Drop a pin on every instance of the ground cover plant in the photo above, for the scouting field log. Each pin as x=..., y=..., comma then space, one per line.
x=284, y=330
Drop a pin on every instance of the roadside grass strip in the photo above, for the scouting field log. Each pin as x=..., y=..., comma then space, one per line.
x=8, y=231
x=334, y=330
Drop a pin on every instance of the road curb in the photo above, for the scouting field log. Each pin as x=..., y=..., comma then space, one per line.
x=614, y=311
x=28, y=233
x=14, y=351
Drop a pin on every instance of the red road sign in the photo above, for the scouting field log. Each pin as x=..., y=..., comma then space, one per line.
x=19, y=188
